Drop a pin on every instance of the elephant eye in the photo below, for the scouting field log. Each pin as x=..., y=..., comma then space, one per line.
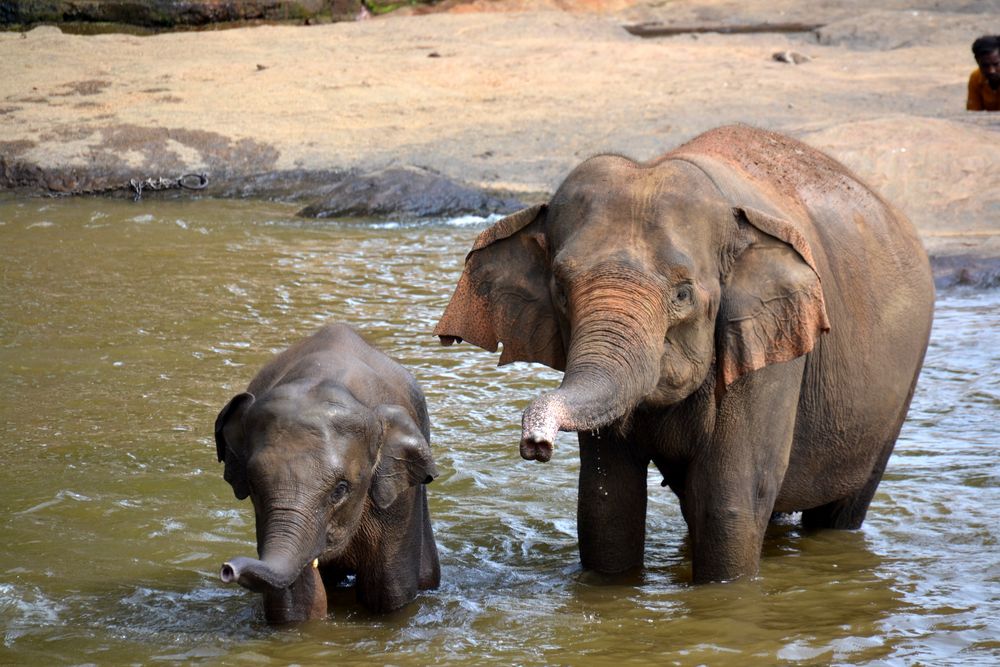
x=339, y=491
x=684, y=294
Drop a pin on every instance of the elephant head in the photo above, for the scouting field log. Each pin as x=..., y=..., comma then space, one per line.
x=319, y=467
x=644, y=284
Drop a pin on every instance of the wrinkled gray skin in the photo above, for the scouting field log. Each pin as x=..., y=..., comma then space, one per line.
x=331, y=443
x=742, y=312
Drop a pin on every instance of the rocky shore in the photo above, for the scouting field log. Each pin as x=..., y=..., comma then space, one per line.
x=481, y=106
x=91, y=16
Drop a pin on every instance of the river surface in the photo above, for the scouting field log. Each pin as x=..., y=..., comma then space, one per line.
x=125, y=327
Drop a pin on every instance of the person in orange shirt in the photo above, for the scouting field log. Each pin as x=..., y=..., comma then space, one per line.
x=984, y=83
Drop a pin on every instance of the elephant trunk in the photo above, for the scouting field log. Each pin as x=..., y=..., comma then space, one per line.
x=613, y=363
x=286, y=574
x=257, y=575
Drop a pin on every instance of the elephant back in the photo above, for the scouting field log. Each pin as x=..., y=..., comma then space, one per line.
x=839, y=216
x=778, y=168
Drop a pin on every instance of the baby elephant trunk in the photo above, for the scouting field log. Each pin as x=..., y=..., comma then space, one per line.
x=257, y=575
x=289, y=596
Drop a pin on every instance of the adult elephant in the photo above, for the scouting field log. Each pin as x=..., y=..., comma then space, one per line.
x=743, y=312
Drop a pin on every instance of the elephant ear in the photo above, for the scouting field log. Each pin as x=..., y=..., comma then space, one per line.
x=404, y=458
x=503, y=294
x=772, y=306
x=229, y=442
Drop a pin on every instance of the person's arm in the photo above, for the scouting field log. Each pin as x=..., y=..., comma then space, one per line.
x=975, y=99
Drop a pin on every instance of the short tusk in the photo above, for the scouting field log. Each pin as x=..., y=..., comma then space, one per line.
x=315, y=563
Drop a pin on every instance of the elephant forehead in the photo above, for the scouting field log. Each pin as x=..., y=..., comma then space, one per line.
x=311, y=401
x=647, y=235
x=316, y=426
x=613, y=173
x=642, y=199
x=295, y=450
x=601, y=192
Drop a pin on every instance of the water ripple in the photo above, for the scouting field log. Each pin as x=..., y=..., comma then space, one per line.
x=118, y=517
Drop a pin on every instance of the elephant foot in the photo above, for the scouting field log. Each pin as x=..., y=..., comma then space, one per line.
x=304, y=600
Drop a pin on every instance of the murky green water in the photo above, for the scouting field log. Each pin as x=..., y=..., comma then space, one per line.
x=125, y=327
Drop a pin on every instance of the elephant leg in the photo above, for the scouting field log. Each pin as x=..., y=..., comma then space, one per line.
x=611, y=506
x=849, y=513
x=394, y=566
x=430, y=568
x=734, y=480
x=304, y=600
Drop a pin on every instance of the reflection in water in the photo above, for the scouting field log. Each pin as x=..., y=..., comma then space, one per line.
x=125, y=328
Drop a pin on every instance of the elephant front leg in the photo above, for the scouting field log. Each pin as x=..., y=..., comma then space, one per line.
x=611, y=506
x=731, y=486
x=304, y=600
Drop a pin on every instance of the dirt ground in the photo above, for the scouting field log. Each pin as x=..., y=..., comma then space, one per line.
x=510, y=95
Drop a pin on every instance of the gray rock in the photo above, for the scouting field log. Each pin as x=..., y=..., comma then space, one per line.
x=887, y=30
x=156, y=13
x=968, y=270
x=409, y=193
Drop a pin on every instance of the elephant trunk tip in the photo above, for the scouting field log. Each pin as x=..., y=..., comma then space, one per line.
x=258, y=575
x=229, y=573
x=540, y=424
x=535, y=447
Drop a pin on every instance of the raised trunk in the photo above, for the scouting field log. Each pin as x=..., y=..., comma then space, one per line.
x=613, y=363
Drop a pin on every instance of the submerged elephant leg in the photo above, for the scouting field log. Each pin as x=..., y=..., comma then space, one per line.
x=611, y=506
x=731, y=487
x=304, y=600
x=430, y=567
x=849, y=513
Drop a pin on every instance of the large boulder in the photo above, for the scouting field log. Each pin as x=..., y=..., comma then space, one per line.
x=887, y=30
x=406, y=192
x=940, y=172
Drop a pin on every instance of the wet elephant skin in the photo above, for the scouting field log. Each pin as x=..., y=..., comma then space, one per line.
x=742, y=312
x=331, y=443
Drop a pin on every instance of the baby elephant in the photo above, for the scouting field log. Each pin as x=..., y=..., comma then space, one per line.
x=331, y=443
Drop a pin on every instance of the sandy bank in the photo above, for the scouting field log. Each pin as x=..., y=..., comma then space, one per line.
x=508, y=102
